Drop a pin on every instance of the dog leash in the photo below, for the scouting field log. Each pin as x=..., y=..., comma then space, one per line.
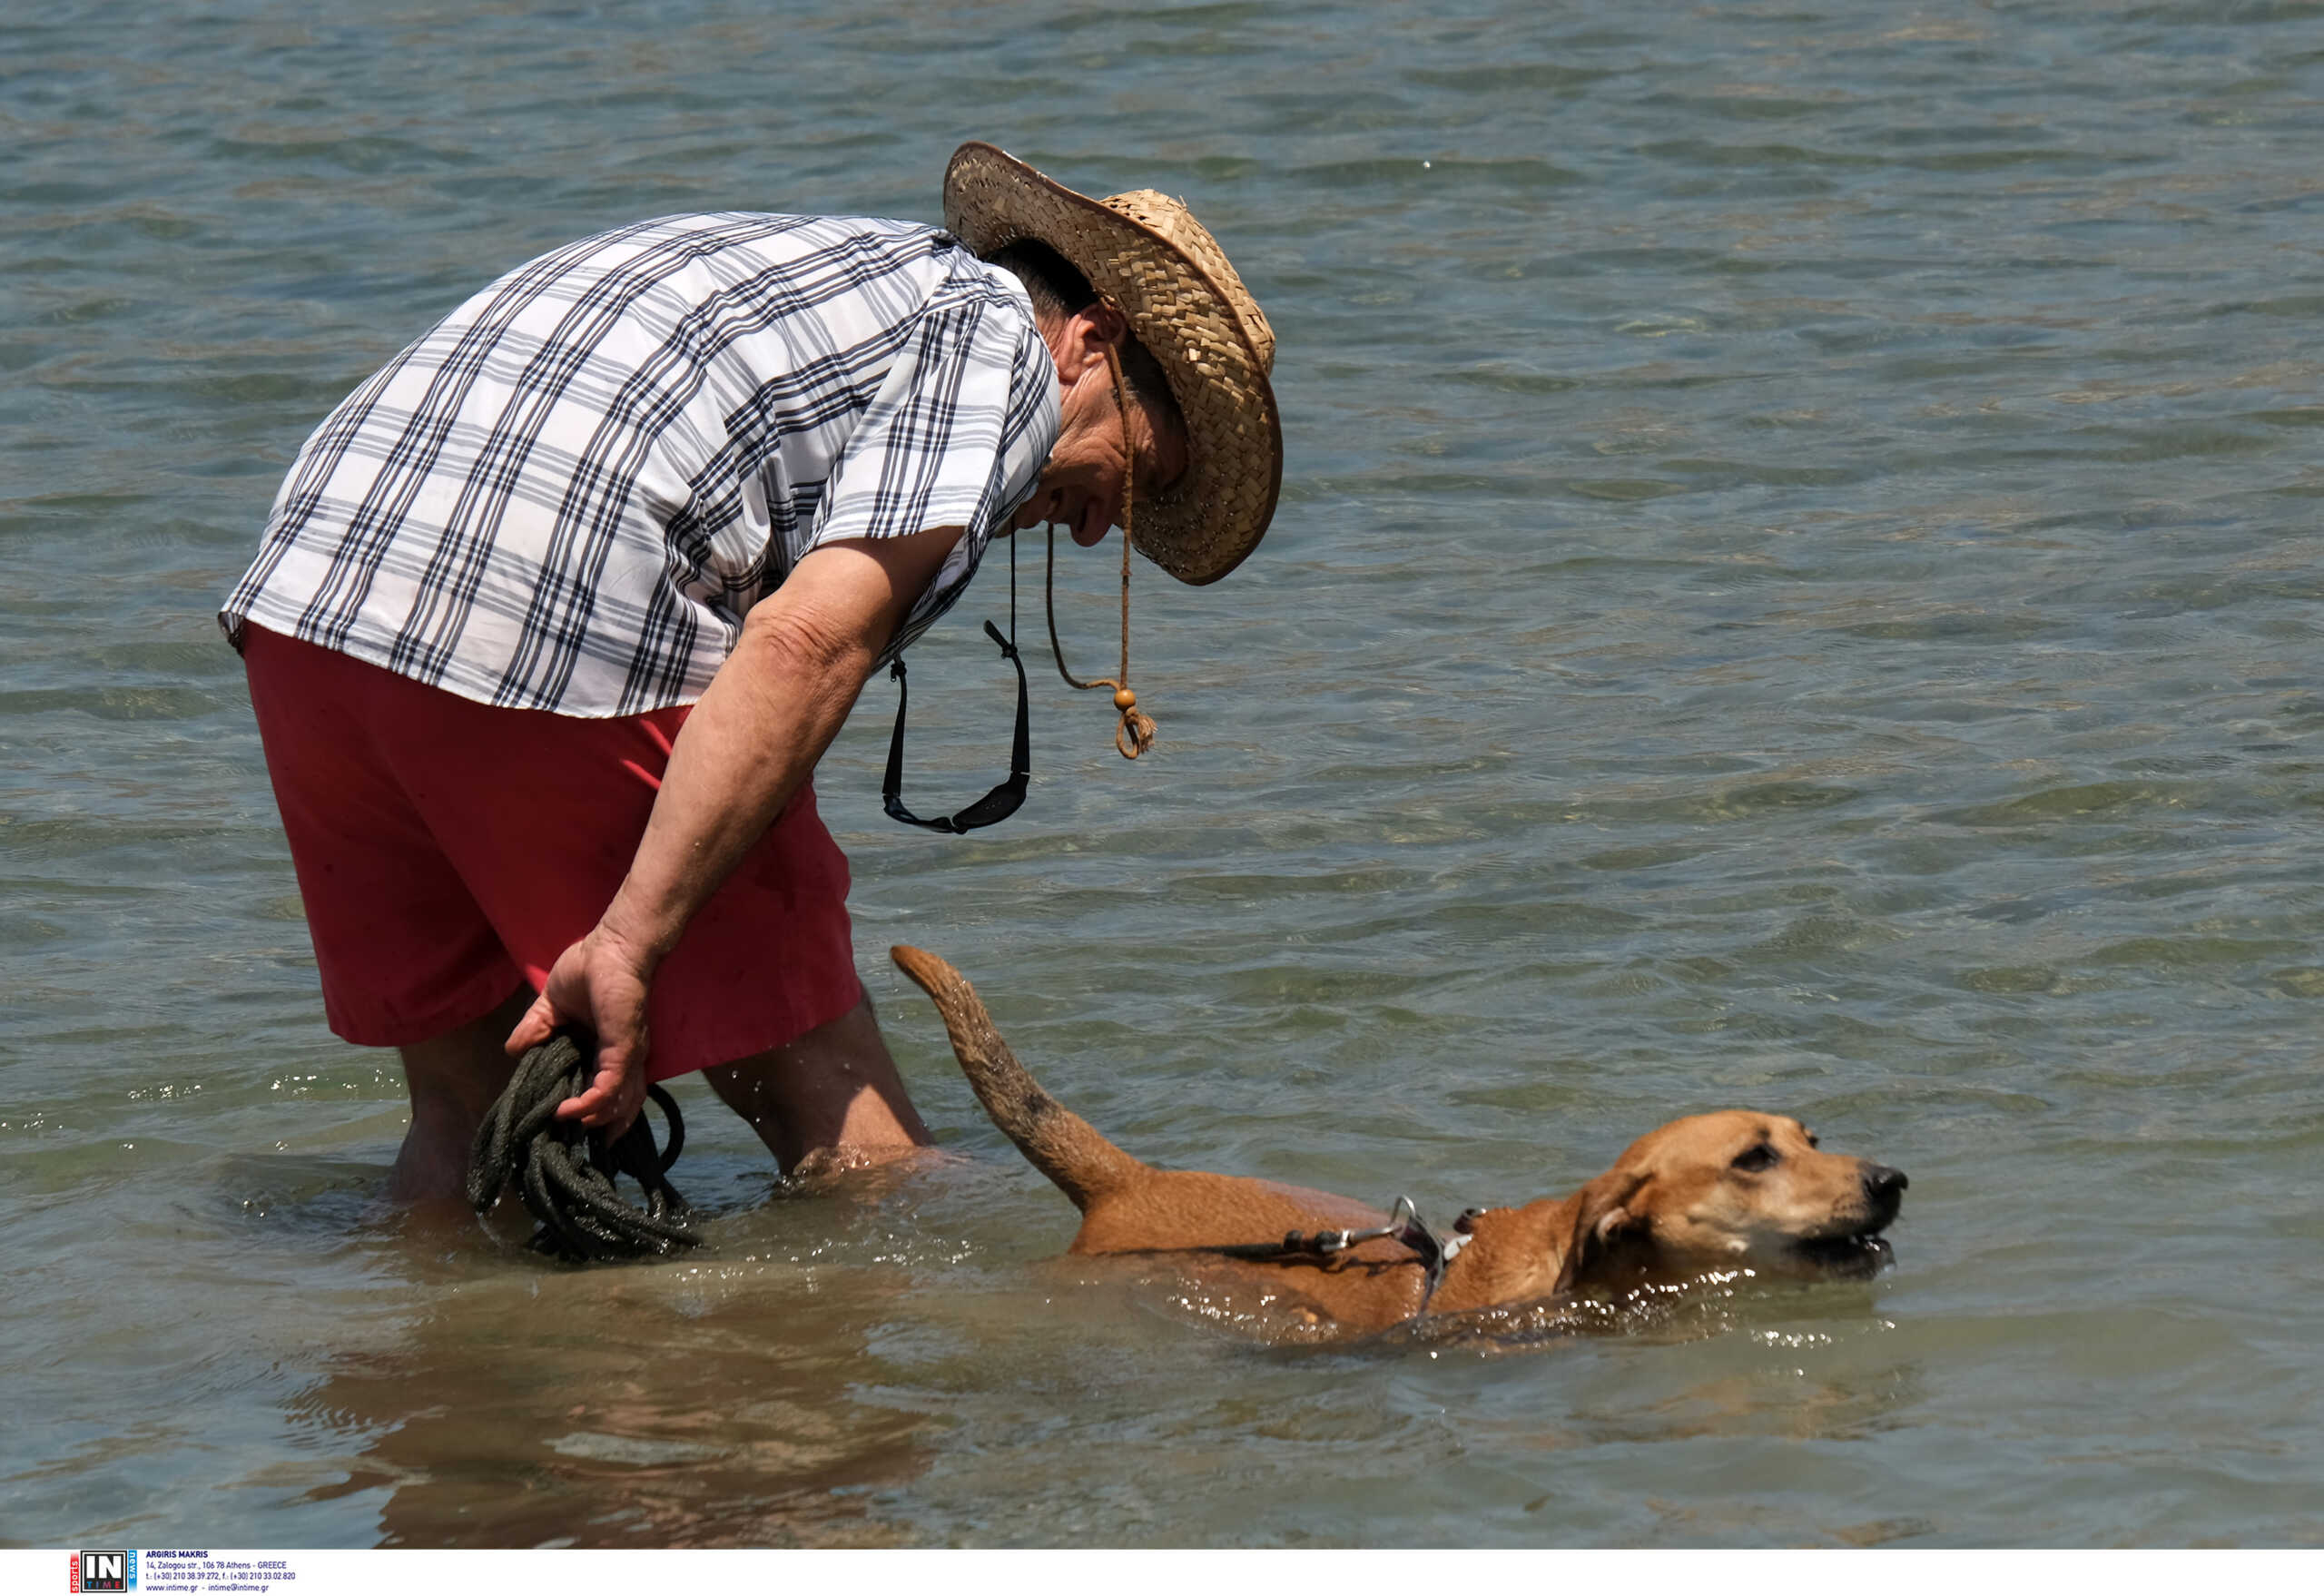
x=565, y=1172
x=1404, y=1226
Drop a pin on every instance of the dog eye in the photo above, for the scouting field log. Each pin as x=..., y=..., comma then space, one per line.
x=1755, y=1159
x=1814, y=1140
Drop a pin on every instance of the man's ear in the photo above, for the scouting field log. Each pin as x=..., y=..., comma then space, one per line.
x=1603, y=1219
x=1088, y=334
x=1106, y=322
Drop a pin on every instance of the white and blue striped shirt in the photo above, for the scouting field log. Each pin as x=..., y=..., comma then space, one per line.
x=567, y=494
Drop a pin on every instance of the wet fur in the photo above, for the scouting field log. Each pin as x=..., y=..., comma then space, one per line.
x=1675, y=1205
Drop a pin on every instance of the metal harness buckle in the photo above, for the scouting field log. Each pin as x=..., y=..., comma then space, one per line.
x=1404, y=1225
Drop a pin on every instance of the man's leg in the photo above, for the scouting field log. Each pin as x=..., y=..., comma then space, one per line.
x=453, y=1078
x=402, y=948
x=832, y=1098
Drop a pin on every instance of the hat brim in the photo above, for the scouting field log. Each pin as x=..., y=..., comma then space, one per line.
x=1202, y=525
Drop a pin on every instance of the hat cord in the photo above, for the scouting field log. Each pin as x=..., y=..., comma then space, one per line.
x=1135, y=733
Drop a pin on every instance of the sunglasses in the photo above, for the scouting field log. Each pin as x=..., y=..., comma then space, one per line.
x=997, y=805
x=1134, y=736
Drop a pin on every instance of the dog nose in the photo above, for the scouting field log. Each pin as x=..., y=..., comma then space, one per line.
x=1884, y=1186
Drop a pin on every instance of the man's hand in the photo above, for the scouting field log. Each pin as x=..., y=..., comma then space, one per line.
x=599, y=983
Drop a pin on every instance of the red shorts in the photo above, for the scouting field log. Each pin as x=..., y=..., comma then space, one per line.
x=447, y=849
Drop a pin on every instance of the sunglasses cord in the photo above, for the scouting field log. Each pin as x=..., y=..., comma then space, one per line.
x=1135, y=733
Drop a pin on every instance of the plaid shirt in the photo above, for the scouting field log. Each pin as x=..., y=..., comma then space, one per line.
x=567, y=495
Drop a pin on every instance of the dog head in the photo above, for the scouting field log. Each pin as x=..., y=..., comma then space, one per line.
x=1730, y=1190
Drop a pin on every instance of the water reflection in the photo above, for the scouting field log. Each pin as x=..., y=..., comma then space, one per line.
x=524, y=1404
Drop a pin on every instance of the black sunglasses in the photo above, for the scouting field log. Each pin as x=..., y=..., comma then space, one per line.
x=1004, y=800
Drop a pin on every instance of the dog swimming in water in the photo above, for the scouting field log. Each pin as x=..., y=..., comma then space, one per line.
x=1732, y=1190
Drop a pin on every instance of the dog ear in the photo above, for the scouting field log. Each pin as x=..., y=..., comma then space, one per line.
x=1602, y=1219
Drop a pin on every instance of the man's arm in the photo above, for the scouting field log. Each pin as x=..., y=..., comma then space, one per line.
x=804, y=653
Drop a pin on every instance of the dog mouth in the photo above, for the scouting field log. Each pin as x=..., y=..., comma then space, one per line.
x=1856, y=1255
x=1854, y=1248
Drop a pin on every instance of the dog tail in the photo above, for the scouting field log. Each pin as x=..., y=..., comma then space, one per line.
x=1058, y=1142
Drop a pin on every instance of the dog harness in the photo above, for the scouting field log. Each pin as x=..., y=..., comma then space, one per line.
x=1404, y=1225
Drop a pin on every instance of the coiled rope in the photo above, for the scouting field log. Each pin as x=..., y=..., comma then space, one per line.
x=565, y=1171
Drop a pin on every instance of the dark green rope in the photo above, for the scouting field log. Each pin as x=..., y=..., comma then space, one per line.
x=565, y=1172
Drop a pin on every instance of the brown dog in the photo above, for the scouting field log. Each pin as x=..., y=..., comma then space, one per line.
x=1724, y=1191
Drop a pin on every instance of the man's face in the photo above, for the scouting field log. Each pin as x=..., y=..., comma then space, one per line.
x=1080, y=487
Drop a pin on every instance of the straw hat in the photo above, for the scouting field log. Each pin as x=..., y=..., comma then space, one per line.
x=1144, y=252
